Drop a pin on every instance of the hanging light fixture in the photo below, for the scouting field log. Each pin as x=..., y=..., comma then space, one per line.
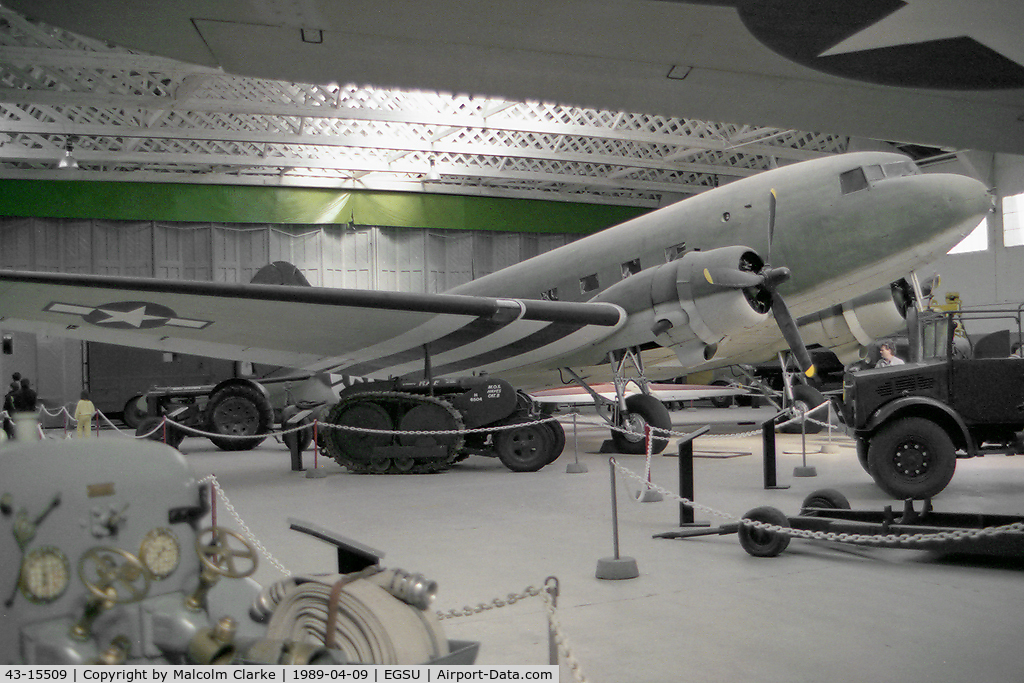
x=433, y=173
x=68, y=160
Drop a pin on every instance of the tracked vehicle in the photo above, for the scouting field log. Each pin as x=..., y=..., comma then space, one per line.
x=430, y=418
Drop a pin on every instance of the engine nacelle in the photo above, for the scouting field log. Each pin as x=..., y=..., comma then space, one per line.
x=857, y=323
x=679, y=304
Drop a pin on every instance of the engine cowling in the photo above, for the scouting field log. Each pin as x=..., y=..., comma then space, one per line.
x=681, y=305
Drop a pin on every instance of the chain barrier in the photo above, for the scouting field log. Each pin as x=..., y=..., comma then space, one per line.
x=860, y=539
x=557, y=631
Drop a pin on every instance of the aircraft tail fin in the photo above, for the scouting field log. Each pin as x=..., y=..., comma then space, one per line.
x=280, y=273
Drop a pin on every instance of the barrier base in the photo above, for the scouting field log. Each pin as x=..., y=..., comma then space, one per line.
x=315, y=473
x=805, y=471
x=576, y=468
x=649, y=496
x=616, y=568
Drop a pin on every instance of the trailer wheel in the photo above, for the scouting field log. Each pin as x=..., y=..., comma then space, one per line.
x=239, y=410
x=642, y=410
x=526, y=448
x=154, y=431
x=912, y=458
x=761, y=542
x=825, y=498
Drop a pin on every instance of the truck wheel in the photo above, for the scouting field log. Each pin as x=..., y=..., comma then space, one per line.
x=642, y=410
x=133, y=414
x=760, y=542
x=722, y=401
x=912, y=458
x=805, y=398
x=527, y=448
x=825, y=498
x=239, y=410
x=862, y=454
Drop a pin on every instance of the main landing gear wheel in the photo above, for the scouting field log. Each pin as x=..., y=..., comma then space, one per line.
x=300, y=437
x=762, y=542
x=805, y=398
x=239, y=410
x=526, y=448
x=642, y=410
x=912, y=458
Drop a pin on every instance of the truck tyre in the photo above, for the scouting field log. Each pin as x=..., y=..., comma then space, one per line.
x=911, y=458
x=640, y=410
x=722, y=401
x=805, y=398
x=760, y=542
x=559, y=443
x=239, y=410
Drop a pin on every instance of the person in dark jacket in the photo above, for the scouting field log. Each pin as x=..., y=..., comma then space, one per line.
x=25, y=397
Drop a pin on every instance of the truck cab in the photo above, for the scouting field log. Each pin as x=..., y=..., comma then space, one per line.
x=961, y=395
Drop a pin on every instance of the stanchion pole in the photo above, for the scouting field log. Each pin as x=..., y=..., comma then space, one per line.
x=804, y=470
x=551, y=586
x=316, y=472
x=575, y=467
x=768, y=454
x=616, y=567
x=213, y=502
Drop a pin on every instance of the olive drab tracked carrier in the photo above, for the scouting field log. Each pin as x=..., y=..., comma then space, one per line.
x=418, y=427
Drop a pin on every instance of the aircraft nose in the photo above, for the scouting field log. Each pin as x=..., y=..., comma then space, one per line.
x=967, y=198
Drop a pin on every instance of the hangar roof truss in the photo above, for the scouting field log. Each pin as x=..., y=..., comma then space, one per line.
x=134, y=117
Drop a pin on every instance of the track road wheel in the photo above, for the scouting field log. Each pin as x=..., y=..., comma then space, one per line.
x=825, y=498
x=912, y=458
x=642, y=410
x=353, y=449
x=760, y=542
x=805, y=398
x=525, y=448
x=239, y=410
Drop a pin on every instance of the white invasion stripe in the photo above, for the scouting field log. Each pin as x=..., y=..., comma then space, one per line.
x=69, y=308
x=504, y=337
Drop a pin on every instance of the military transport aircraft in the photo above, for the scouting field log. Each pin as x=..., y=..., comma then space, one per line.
x=692, y=285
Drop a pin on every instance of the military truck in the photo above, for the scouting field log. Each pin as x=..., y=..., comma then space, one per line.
x=960, y=396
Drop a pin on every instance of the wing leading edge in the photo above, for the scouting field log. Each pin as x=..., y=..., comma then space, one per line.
x=358, y=332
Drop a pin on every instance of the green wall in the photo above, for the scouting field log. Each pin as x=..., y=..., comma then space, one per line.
x=285, y=205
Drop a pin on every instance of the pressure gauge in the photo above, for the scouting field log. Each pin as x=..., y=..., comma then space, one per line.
x=45, y=573
x=160, y=552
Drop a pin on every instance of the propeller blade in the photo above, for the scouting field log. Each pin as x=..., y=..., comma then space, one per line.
x=773, y=277
x=784, y=319
x=732, y=277
x=772, y=201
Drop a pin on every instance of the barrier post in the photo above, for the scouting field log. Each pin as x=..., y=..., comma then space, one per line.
x=768, y=451
x=616, y=567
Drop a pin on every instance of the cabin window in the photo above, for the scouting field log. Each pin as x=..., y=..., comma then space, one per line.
x=588, y=283
x=630, y=268
x=550, y=295
x=853, y=181
x=900, y=168
x=675, y=251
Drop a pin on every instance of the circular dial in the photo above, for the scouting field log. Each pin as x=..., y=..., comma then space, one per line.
x=160, y=552
x=45, y=574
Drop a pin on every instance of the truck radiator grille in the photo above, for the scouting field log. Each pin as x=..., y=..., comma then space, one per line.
x=906, y=383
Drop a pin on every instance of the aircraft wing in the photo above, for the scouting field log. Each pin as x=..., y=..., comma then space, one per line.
x=357, y=332
x=576, y=395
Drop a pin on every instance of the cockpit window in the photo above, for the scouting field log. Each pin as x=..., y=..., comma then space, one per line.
x=873, y=173
x=900, y=168
x=853, y=181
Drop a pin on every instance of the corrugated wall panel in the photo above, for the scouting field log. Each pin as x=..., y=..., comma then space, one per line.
x=182, y=253
x=122, y=248
x=16, y=243
x=302, y=246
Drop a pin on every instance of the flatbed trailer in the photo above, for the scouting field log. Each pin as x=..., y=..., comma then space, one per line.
x=826, y=516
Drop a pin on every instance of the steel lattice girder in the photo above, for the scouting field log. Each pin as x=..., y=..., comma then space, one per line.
x=136, y=117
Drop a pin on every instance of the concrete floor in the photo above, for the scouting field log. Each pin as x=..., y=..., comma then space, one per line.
x=702, y=609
